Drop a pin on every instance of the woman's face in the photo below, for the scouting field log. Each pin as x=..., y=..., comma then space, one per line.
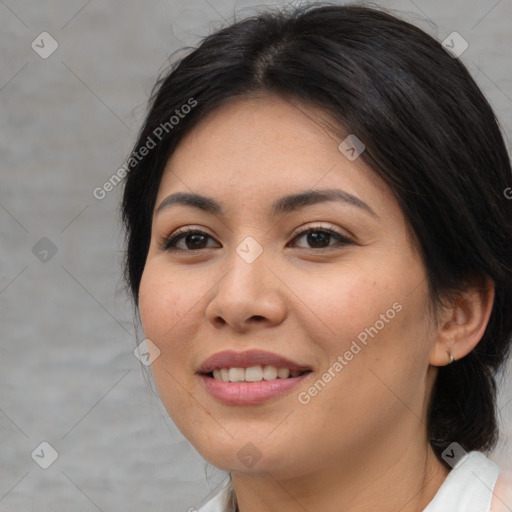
x=347, y=301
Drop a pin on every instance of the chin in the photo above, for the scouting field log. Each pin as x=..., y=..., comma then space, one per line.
x=246, y=456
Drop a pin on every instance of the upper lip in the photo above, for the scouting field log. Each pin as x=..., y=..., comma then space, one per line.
x=233, y=359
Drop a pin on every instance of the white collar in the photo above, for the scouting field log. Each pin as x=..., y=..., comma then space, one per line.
x=220, y=501
x=468, y=487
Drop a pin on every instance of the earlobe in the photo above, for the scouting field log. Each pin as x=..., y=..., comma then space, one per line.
x=442, y=354
x=463, y=324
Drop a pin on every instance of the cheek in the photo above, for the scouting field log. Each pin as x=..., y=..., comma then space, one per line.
x=165, y=310
x=345, y=301
x=166, y=305
x=375, y=315
x=164, y=301
x=379, y=328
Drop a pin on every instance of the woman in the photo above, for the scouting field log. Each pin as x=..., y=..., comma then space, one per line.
x=319, y=246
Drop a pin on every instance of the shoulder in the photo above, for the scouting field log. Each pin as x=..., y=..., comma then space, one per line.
x=502, y=495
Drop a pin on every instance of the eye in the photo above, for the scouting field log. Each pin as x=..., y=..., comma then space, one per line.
x=319, y=237
x=193, y=239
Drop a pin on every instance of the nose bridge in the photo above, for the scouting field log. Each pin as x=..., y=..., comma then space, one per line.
x=248, y=289
x=247, y=270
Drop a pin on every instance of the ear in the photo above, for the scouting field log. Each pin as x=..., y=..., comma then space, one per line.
x=463, y=323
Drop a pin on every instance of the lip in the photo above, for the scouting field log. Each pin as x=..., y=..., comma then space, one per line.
x=250, y=393
x=233, y=359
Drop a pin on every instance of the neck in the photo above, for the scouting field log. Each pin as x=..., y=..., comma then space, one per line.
x=386, y=480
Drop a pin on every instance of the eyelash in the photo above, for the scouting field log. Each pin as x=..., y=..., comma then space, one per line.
x=168, y=243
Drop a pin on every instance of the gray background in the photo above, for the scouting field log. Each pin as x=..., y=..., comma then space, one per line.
x=68, y=374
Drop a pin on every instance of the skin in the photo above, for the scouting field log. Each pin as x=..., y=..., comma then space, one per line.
x=502, y=498
x=365, y=432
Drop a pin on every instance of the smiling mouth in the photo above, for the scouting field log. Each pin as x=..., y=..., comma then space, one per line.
x=257, y=373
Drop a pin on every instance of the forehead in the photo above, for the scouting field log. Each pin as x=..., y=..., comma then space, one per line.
x=256, y=149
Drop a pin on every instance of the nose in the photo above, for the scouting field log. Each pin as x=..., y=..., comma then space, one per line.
x=248, y=296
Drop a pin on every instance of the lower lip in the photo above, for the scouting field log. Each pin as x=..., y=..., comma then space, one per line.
x=250, y=393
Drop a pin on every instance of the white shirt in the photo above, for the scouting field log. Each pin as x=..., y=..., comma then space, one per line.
x=468, y=488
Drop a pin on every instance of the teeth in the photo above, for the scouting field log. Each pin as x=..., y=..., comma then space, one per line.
x=270, y=372
x=236, y=374
x=253, y=373
x=283, y=373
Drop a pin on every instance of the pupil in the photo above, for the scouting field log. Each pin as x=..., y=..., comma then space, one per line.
x=196, y=240
x=313, y=238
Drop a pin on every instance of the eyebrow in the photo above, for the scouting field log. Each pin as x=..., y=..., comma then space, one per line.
x=280, y=206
